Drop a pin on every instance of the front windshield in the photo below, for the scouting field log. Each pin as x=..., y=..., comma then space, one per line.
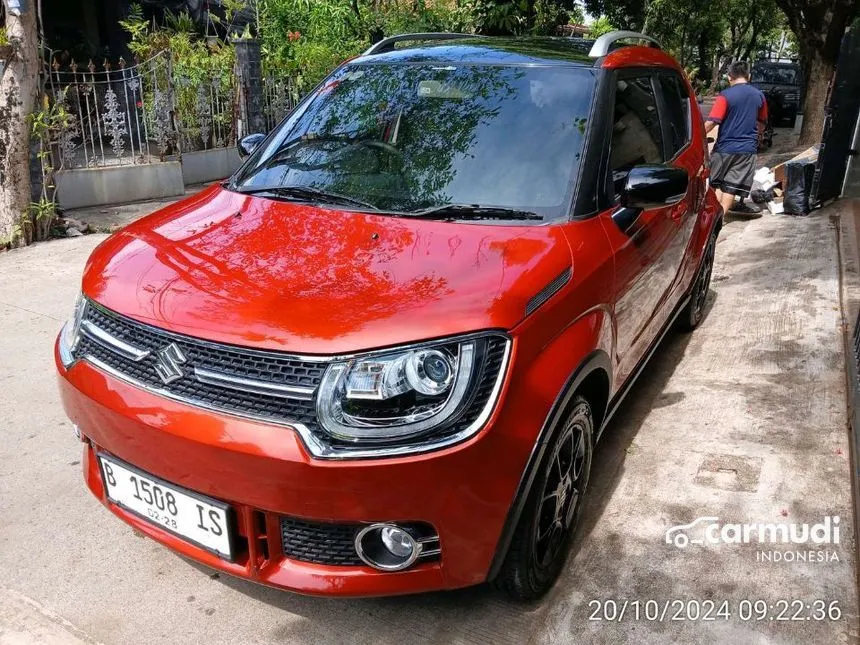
x=775, y=75
x=411, y=137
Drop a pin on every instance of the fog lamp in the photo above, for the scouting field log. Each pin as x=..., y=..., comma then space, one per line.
x=387, y=547
x=398, y=541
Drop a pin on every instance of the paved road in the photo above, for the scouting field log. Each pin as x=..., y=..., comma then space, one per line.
x=744, y=420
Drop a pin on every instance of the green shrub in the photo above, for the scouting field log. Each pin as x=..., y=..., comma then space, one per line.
x=312, y=37
x=194, y=60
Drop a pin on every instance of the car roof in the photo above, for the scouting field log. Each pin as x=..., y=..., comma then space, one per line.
x=493, y=50
x=774, y=63
x=515, y=51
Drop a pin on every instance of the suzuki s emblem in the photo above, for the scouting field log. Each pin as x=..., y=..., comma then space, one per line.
x=168, y=363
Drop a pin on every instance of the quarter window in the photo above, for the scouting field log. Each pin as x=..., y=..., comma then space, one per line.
x=677, y=117
x=637, y=137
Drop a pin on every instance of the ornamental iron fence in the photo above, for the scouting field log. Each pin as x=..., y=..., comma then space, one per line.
x=122, y=114
x=117, y=115
x=280, y=96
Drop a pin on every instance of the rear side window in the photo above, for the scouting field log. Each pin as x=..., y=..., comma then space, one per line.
x=677, y=117
x=637, y=137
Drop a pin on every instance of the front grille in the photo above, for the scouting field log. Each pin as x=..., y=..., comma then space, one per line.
x=268, y=367
x=320, y=543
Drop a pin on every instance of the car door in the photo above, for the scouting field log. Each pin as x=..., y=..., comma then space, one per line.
x=675, y=115
x=640, y=239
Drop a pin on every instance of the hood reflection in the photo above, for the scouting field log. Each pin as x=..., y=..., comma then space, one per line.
x=253, y=271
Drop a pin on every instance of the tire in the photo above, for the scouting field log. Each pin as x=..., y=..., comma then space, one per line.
x=541, y=540
x=693, y=314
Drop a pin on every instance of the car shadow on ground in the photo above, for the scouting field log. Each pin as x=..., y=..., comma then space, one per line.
x=617, y=440
x=480, y=610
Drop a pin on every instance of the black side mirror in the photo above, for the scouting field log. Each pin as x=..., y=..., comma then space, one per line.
x=652, y=186
x=249, y=143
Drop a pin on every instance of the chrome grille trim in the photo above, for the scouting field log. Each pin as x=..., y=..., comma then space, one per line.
x=267, y=386
x=253, y=385
x=112, y=342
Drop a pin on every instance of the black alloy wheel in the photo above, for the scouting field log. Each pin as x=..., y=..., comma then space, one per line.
x=540, y=543
x=694, y=312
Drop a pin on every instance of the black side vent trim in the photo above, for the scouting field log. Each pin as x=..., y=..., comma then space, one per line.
x=549, y=290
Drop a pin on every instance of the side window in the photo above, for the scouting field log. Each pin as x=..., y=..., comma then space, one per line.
x=677, y=115
x=636, y=134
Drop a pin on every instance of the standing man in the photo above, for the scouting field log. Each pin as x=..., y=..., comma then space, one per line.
x=741, y=113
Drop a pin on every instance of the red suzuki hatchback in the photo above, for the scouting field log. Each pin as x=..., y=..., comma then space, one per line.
x=378, y=358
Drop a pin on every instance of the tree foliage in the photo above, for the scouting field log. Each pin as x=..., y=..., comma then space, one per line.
x=706, y=37
x=819, y=26
x=322, y=33
x=311, y=37
x=600, y=26
x=519, y=17
x=623, y=14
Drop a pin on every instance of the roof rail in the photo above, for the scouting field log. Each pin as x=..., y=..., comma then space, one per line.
x=387, y=44
x=603, y=45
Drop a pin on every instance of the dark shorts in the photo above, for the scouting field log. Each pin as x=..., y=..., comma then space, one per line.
x=732, y=173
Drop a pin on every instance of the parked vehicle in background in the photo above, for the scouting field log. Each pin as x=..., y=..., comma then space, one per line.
x=781, y=84
x=377, y=360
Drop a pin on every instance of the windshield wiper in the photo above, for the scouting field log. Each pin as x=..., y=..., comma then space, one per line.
x=307, y=193
x=472, y=211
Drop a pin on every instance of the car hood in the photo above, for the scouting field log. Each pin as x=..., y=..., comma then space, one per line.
x=275, y=275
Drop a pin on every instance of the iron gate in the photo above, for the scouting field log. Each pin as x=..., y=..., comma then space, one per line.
x=840, y=121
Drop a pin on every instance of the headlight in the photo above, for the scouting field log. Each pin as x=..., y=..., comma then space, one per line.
x=404, y=393
x=71, y=333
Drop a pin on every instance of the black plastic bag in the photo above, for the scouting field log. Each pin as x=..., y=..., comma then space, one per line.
x=760, y=196
x=798, y=185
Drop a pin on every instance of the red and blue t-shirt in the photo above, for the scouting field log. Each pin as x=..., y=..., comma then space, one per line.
x=736, y=110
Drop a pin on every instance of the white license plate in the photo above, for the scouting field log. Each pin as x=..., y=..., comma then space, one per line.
x=198, y=519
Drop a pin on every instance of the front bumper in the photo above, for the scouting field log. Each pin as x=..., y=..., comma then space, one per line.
x=265, y=473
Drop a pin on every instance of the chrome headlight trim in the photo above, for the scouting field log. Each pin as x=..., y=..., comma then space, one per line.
x=322, y=450
x=330, y=397
x=343, y=421
x=70, y=334
x=66, y=357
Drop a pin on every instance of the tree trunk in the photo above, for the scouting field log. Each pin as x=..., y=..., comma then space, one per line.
x=751, y=45
x=819, y=28
x=717, y=69
x=704, y=71
x=530, y=14
x=819, y=73
x=19, y=75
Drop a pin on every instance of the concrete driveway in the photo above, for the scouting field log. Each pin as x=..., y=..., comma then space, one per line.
x=744, y=420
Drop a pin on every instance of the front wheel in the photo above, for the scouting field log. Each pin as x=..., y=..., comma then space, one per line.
x=540, y=543
x=694, y=312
